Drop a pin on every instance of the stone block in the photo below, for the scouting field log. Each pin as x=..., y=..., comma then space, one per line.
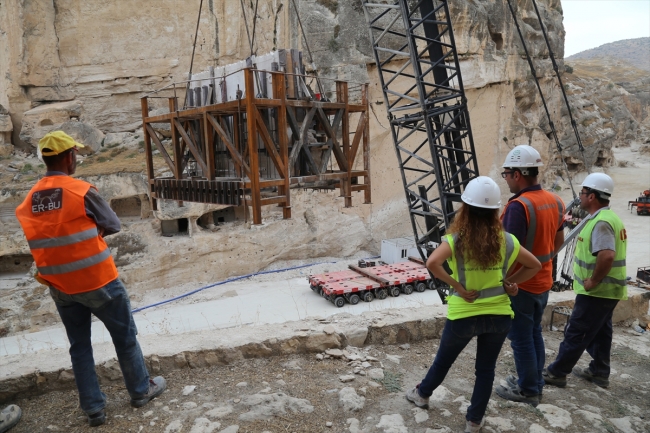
x=85, y=134
x=357, y=337
x=47, y=117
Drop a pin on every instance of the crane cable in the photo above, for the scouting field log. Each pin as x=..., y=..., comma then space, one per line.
x=196, y=35
x=311, y=59
x=548, y=115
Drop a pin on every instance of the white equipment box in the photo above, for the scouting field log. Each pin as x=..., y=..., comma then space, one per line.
x=398, y=250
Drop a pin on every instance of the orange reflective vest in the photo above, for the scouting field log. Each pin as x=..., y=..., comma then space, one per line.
x=544, y=214
x=65, y=243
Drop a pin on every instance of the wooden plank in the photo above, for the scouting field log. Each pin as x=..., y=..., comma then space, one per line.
x=302, y=138
x=366, y=146
x=283, y=141
x=269, y=144
x=358, y=134
x=209, y=147
x=234, y=154
x=178, y=155
x=338, y=152
x=144, y=105
x=252, y=147
x=274, y=200
x=150, y=133
x=191, y=146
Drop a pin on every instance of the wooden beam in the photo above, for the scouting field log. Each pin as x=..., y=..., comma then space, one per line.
x=338, y=153
x=269, y=144
x=358, y=134
x=256, y=197
x=366, y=145
x=279, y=92
x=152, y=134
x=144, y=105
x=191, y=146
x=208, y=133
x=178, y=155
x=302, y=138
x=237, y=159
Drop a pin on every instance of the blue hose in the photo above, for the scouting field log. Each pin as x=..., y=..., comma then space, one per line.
x=229, y=280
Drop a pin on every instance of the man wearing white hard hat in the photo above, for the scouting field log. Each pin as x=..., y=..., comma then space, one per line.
x=535, y=217
x=599, y=283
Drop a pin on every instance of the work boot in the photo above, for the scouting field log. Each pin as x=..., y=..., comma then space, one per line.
x=512, y=382
x=156, y=387
x=413, y=396
x=9, y=417
x=550, y=379
x=586, y=374
x=471, y=427
x=515, y=394
x=97, y=418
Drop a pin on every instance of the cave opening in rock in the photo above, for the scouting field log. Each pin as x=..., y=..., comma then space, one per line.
x=127, y=207
x=175, y=227
x=13, y=268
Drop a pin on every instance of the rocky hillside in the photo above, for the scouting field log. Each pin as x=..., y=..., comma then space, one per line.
x=635, y=52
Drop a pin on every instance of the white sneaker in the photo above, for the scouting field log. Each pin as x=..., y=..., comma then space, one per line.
x=414, y=396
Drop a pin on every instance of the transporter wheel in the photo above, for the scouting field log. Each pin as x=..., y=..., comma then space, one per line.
x=381, y=293
x=431, y=285
x=354, y=299
x=420, y=287
x=394, y=291
x=339, y=301
x=368, y=296
x=407, y=289
x=313, y=287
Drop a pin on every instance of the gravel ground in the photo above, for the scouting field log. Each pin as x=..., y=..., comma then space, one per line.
x=303, y=394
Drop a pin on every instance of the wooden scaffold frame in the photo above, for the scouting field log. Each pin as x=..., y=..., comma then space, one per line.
x=296, y=161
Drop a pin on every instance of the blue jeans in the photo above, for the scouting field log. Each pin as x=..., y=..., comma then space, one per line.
x=491, y=331
x=111, y=305
x=526, y=340
x=590, y=329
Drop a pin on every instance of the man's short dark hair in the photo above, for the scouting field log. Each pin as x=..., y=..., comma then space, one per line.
x=56, y=159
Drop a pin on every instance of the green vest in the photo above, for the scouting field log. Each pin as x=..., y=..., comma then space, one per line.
x=493, y=298
x=614, y=285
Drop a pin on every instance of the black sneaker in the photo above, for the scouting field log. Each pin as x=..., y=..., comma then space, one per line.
x=550, y=379
x=515, y=394
x=512, y=382
x=586, y=374
x=97, y=418
x=156, y=387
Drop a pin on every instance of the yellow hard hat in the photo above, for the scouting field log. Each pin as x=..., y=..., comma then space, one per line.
x=56, y=142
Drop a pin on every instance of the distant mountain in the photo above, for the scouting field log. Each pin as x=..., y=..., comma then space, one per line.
x=633, y=51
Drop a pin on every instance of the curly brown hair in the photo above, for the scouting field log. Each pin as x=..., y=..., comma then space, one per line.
x=479, y=235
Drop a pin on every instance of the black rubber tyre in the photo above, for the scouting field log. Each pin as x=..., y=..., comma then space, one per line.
x=407, y=289
x=339, y=301
x=368, y=297
x=314, y=288
x=381, y=293
x=420, y=287
x=431, y=285
x=354, y=299
x=394, y=292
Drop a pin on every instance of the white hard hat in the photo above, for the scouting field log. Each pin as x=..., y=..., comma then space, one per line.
x=522, y=157
x=482, y=192
x=599, y=182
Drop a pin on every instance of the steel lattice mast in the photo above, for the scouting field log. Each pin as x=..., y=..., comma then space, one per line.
x=415, y=52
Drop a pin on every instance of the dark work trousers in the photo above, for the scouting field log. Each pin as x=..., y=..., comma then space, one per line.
x=590, y=329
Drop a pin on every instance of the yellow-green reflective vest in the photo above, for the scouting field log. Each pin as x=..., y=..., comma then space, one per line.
x=493, y=298
x=614, y=285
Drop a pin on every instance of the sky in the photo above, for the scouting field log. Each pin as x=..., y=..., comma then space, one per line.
x=592, y=23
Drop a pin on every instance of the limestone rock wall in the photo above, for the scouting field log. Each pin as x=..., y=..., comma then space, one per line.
x=85, y=66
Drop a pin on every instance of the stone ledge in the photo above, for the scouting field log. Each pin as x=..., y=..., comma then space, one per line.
x=312, y=335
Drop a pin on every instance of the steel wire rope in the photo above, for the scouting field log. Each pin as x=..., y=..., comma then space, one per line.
x=311, y=58
x=541, y=94
x=559, y=78
x=196, y=35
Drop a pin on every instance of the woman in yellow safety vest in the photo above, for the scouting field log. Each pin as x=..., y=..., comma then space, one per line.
x=479, y=253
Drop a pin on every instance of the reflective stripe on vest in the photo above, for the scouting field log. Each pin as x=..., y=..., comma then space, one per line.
x=532, y=226
x=489, y=292
x=63, y=240
x=75, y=266
x=614, y=285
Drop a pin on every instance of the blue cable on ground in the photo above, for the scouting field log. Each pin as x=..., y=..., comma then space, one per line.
x=229, y=280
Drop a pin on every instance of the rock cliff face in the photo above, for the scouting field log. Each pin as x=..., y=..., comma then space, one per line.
x=73, y=64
